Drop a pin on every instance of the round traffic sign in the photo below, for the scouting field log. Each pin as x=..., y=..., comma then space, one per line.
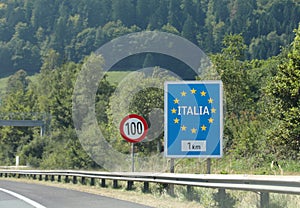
x=133, y=128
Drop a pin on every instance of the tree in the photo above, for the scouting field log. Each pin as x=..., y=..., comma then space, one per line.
x=5, y=58
x=234, y=73
x=17, y=101
x=98, y=12
x=159, y=16
x=142, y=102
x=148, y=62
x=123, y=10
x=189, y=28
x=144, y=9
x=240, y=94
x=284, y=89
x=175, y=14
x=17, y=82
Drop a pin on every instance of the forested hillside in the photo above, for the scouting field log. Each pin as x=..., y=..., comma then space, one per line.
x=75, y=28
x=254, y=46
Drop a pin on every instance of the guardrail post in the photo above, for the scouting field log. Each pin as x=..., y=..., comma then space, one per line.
x=221, y=197
x=146, y=187
x=52, y=178
x=92, y=182
x=46, y=177
x=264, y=200
x=170, y=189
x=74, y=180
x=59, y=178
x=83, y=180
x=129, y=185
x=189, y=192
x=41, y=177
x=103, y=183
x=34, y=176
x=66, y=179
x=115, y=183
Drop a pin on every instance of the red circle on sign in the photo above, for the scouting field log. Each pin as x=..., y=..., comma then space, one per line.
x=133, y=128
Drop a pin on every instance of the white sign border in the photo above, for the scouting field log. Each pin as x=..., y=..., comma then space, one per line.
x=220, y=83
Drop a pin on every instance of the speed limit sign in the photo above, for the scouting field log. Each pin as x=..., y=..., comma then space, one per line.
x=133, y=128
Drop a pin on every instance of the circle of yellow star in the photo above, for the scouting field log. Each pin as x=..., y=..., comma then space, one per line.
x=210, y=100
x=176, y=101
x=203, y=128
x=176, y=120
x=213, y=110
x=210, y=120
x=203, y=93
x=183, y=93
x=193, y=130
x=183, y=128
x=193, y=91
x=174, y=111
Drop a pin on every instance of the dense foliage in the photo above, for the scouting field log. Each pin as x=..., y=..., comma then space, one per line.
x=261, y=82
x=30, y=28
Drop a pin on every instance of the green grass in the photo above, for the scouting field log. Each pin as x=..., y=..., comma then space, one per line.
x=3, y=83
x=115, y=77
x=4, y=80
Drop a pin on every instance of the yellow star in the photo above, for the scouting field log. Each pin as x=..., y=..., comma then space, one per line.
x=211, y=120
x=176, y=101
x=203, y=128
x=193, y=91
x=203, y=93
x=194, y=130
x=183, y=128
x=210, y=100
x=176, y=120
x=174, y=111
x=213, y=110
x=183, y=93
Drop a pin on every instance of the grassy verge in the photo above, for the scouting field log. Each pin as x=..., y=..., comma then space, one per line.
x=229, y=165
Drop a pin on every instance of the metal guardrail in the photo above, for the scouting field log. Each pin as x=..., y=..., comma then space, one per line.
x=262, y=184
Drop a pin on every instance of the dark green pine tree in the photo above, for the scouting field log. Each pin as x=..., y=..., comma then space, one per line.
x=189, y=29
x=144, y=10
x=149, y=61
x=124, y=11
x=175, y=14
x=160, y=16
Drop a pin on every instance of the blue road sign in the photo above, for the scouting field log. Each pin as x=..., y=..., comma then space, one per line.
x=193, y=119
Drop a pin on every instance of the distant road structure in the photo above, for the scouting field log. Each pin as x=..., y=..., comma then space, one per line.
x=25, y=120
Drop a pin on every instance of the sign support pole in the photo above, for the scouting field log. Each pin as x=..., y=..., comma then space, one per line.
x=132, y=157
x=208, y=165
x=133, y=128
x=172, y=165
x=172, y=170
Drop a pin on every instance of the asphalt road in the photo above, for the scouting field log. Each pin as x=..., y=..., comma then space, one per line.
x=52, y=197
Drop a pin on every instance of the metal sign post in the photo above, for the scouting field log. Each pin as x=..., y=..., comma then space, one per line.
x=132, y=157
x=133, y=128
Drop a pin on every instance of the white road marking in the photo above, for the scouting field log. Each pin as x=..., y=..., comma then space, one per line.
x=29, y=201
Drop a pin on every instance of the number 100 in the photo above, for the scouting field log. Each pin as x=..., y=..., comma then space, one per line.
x=134, y=128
